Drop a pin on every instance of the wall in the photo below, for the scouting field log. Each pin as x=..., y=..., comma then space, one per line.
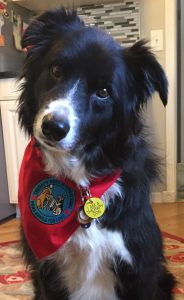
x=180, y=158
x=153, y=18
x=182, y=80
x=121, y=20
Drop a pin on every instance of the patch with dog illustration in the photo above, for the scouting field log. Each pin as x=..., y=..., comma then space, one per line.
x=52, y=201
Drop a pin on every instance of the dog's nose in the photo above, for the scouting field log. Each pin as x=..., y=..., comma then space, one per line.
x=55, y=128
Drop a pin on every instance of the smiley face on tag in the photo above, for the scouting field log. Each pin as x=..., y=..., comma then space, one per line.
x=94, y=207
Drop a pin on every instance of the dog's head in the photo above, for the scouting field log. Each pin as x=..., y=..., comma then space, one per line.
x=83, y=92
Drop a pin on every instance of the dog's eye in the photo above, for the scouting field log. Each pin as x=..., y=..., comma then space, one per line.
x=102, y=93
x=56, y=71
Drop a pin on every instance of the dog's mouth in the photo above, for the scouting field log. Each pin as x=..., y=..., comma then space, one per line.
x=55, y=146
x=46, y=143
x=51, y=145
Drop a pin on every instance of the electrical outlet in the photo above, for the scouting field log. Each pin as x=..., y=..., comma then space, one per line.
x=157, y=40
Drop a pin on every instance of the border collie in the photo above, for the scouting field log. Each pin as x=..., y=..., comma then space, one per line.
x=88, y=230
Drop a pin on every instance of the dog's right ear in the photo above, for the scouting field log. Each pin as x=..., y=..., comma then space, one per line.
x=48, y=25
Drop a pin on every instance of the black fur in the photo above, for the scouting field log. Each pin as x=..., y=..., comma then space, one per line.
x=111, y=136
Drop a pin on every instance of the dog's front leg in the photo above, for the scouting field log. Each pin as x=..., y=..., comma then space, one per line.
x=47, y=281
x=38, y=291
x=147, y=283
x=51, y=286
x=45, y=274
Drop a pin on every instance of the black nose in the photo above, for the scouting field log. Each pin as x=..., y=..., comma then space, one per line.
x=55, y=129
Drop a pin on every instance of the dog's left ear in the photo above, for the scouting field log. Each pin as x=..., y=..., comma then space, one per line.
x=49, y=25
x=146, y=74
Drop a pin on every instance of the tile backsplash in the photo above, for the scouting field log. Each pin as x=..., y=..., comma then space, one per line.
x=121, y=20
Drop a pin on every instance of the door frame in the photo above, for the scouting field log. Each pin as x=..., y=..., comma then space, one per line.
x=171, y=109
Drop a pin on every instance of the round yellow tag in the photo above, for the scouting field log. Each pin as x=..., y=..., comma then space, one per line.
x=94, y=207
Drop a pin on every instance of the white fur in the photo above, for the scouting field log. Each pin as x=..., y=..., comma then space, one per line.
x=87, y=257
x=58, y=160
x=65, y=107
x=113, y=191
x=65, y=165
x=86, y=261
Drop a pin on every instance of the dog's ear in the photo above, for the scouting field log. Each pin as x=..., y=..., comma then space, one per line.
x=45, y=27
x=147, y=75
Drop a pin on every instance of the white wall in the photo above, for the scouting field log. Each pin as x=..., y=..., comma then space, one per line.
x=182, y=81
x=153, y=18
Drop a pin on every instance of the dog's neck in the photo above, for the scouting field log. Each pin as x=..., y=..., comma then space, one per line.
x=66, y=165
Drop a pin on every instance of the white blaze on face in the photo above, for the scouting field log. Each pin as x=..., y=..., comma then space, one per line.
x=64, y=107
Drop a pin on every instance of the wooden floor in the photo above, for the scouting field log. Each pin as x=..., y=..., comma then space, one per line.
x=169, y=216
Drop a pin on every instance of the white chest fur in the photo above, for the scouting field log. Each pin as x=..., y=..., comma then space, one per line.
x=86, y=261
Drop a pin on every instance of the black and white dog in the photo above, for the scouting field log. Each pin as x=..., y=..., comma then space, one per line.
x=81, y=103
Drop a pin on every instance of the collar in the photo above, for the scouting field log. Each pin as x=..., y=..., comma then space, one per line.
x=49, y=205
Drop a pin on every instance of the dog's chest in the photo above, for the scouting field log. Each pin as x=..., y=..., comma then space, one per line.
x=86, y=263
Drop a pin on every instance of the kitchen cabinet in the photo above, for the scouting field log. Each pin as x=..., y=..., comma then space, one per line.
x=15, y=140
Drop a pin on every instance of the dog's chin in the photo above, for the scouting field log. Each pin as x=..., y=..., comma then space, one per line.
x=53, y=145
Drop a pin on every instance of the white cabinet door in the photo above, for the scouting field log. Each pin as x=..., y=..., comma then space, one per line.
x=15, y=142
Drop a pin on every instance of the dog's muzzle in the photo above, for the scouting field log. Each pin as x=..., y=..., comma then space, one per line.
x=55, y=127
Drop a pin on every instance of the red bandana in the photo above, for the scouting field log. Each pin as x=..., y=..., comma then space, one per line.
x=49, y=205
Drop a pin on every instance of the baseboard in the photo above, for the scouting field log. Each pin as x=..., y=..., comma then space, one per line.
x=163, y=197
x=17, y=212
x=156, y=197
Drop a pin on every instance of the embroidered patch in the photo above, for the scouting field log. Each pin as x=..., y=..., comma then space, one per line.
x=52, y=201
